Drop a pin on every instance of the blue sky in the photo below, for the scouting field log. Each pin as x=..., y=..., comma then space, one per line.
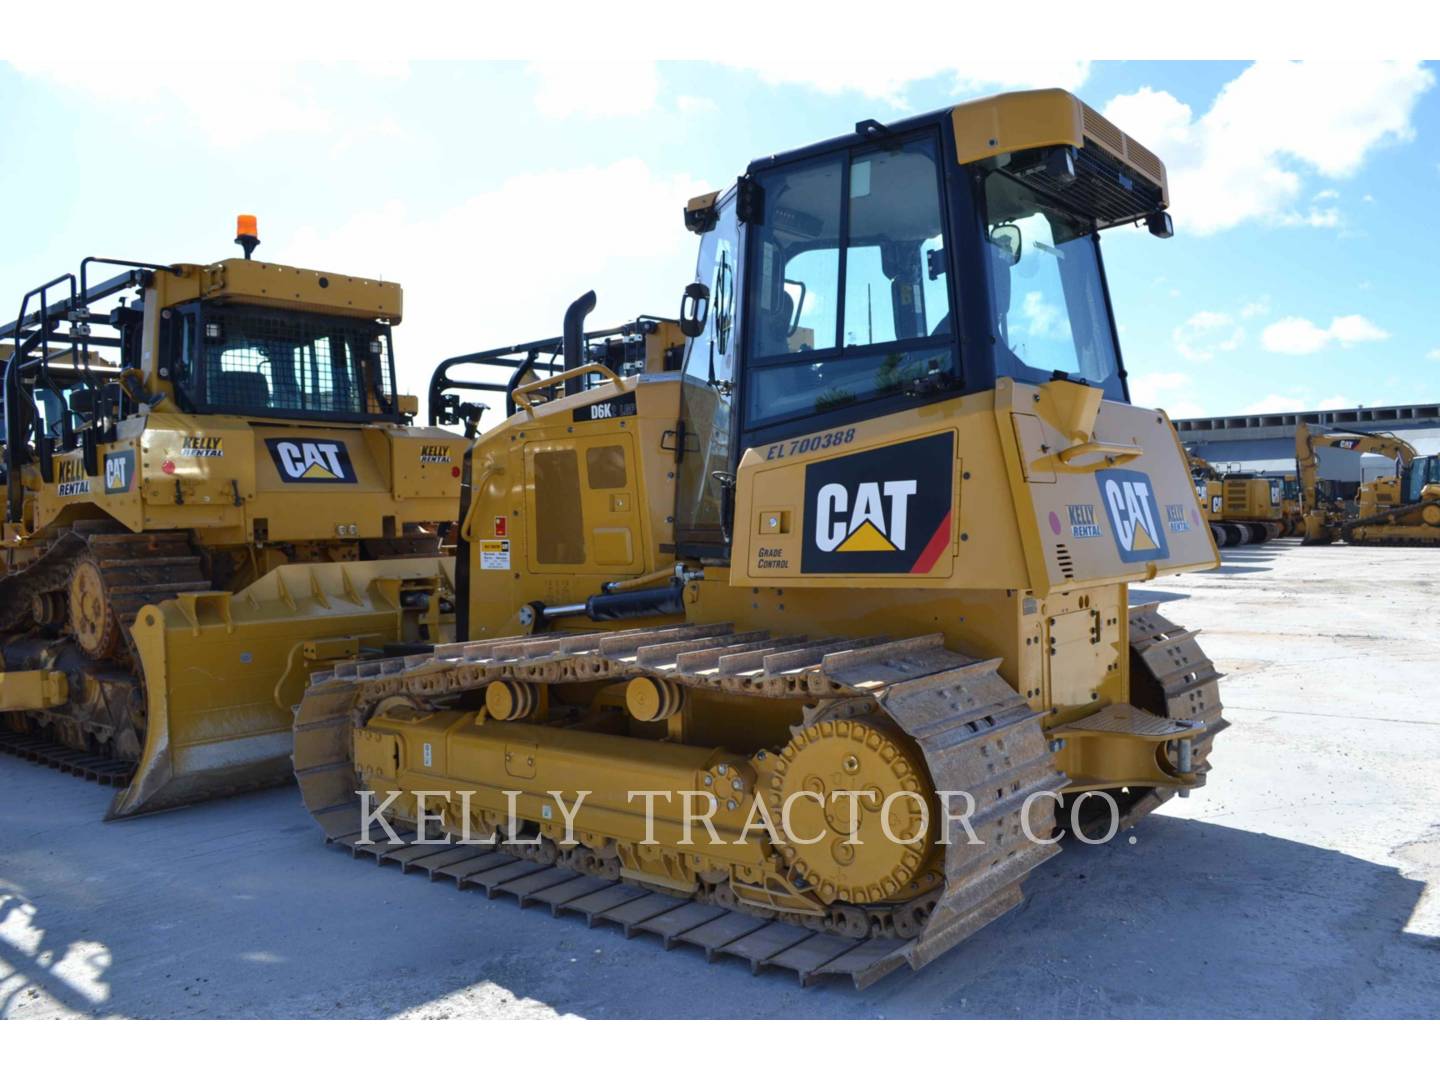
x=1304, y=196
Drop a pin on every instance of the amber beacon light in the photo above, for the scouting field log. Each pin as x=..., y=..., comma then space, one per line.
x=247, y=233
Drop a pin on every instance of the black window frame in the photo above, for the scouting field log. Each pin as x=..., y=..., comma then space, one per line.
x=193, y=394
x=767, y=431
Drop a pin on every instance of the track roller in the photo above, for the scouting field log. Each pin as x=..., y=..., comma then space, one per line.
x=509, y=700
x=650, y=699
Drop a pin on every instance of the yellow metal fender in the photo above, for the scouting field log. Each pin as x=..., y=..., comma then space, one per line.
x=223, y=671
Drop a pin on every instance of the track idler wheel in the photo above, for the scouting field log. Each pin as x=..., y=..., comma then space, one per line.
x=834, y=842
x=92, y=615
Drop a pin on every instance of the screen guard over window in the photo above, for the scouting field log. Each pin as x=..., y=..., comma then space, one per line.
x=852, y=287
x=254, y=360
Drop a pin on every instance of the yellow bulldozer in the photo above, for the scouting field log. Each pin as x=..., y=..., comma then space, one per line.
x=1400, y=509
x=213, y=490
x=1285, y=493
x=1240, y=507
x=753, y=626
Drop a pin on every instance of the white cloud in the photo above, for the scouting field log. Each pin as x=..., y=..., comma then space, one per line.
x=1319, y=217
x=1295, y=336
x=1272, y=403
x=1205, y=333
x=233, y=104
x=1433, y=354
x=687, y=104
x=1256, y=307
x=1183, y=409
x=887, y=80
x=1335, y=401
x=1238, y=162
x=508, y=249
x=1159, y=389
x=591, y=88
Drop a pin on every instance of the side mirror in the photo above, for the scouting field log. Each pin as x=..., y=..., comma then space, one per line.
x=1160, y=225
x=1007, y=239
x=694, y=309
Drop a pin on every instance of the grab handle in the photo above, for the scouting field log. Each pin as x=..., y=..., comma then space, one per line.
x=1109, y=454
x=521, y=393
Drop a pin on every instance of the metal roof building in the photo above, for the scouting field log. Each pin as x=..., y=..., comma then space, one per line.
x=1265, y=443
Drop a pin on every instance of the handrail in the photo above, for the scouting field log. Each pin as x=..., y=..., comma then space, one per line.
x=521, y=393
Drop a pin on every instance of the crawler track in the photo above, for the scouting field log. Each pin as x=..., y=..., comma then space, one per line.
x=43, y=751
x=1173, y=678
x=132, y=570
x=763, y=942
x=976, y=735
x=1358, y=531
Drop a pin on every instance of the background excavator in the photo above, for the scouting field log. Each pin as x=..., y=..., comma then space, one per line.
x=212, y=490
x=866, y=532
x=1400, y=509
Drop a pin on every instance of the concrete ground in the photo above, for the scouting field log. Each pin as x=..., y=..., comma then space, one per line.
x=1301, y=882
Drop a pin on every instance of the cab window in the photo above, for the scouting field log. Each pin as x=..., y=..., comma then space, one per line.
x=1049, y=310
x=253, y=361
x=850, y=290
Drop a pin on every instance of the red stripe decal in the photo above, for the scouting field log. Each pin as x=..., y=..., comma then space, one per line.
x=931, y=555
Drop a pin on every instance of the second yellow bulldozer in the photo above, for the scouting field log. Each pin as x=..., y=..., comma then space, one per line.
x=213, y=489
x=1241, y=507
x=788, y=643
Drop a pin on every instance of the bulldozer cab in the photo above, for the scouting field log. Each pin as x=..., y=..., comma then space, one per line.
x=240, y=384
x=241, y=359
x=192, y=340
x=900, y=266
x=1423, y=472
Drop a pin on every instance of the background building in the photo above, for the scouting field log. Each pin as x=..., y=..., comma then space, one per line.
x=1265, y=443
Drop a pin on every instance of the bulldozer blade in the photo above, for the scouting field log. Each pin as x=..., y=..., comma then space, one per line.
x=223, y=671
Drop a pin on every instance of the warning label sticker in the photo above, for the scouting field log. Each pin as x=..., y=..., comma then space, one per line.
x=494, y=554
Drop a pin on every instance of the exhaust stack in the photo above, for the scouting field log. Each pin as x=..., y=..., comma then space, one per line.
x=574, y=338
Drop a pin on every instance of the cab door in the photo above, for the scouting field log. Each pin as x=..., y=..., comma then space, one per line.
x=703, y=446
